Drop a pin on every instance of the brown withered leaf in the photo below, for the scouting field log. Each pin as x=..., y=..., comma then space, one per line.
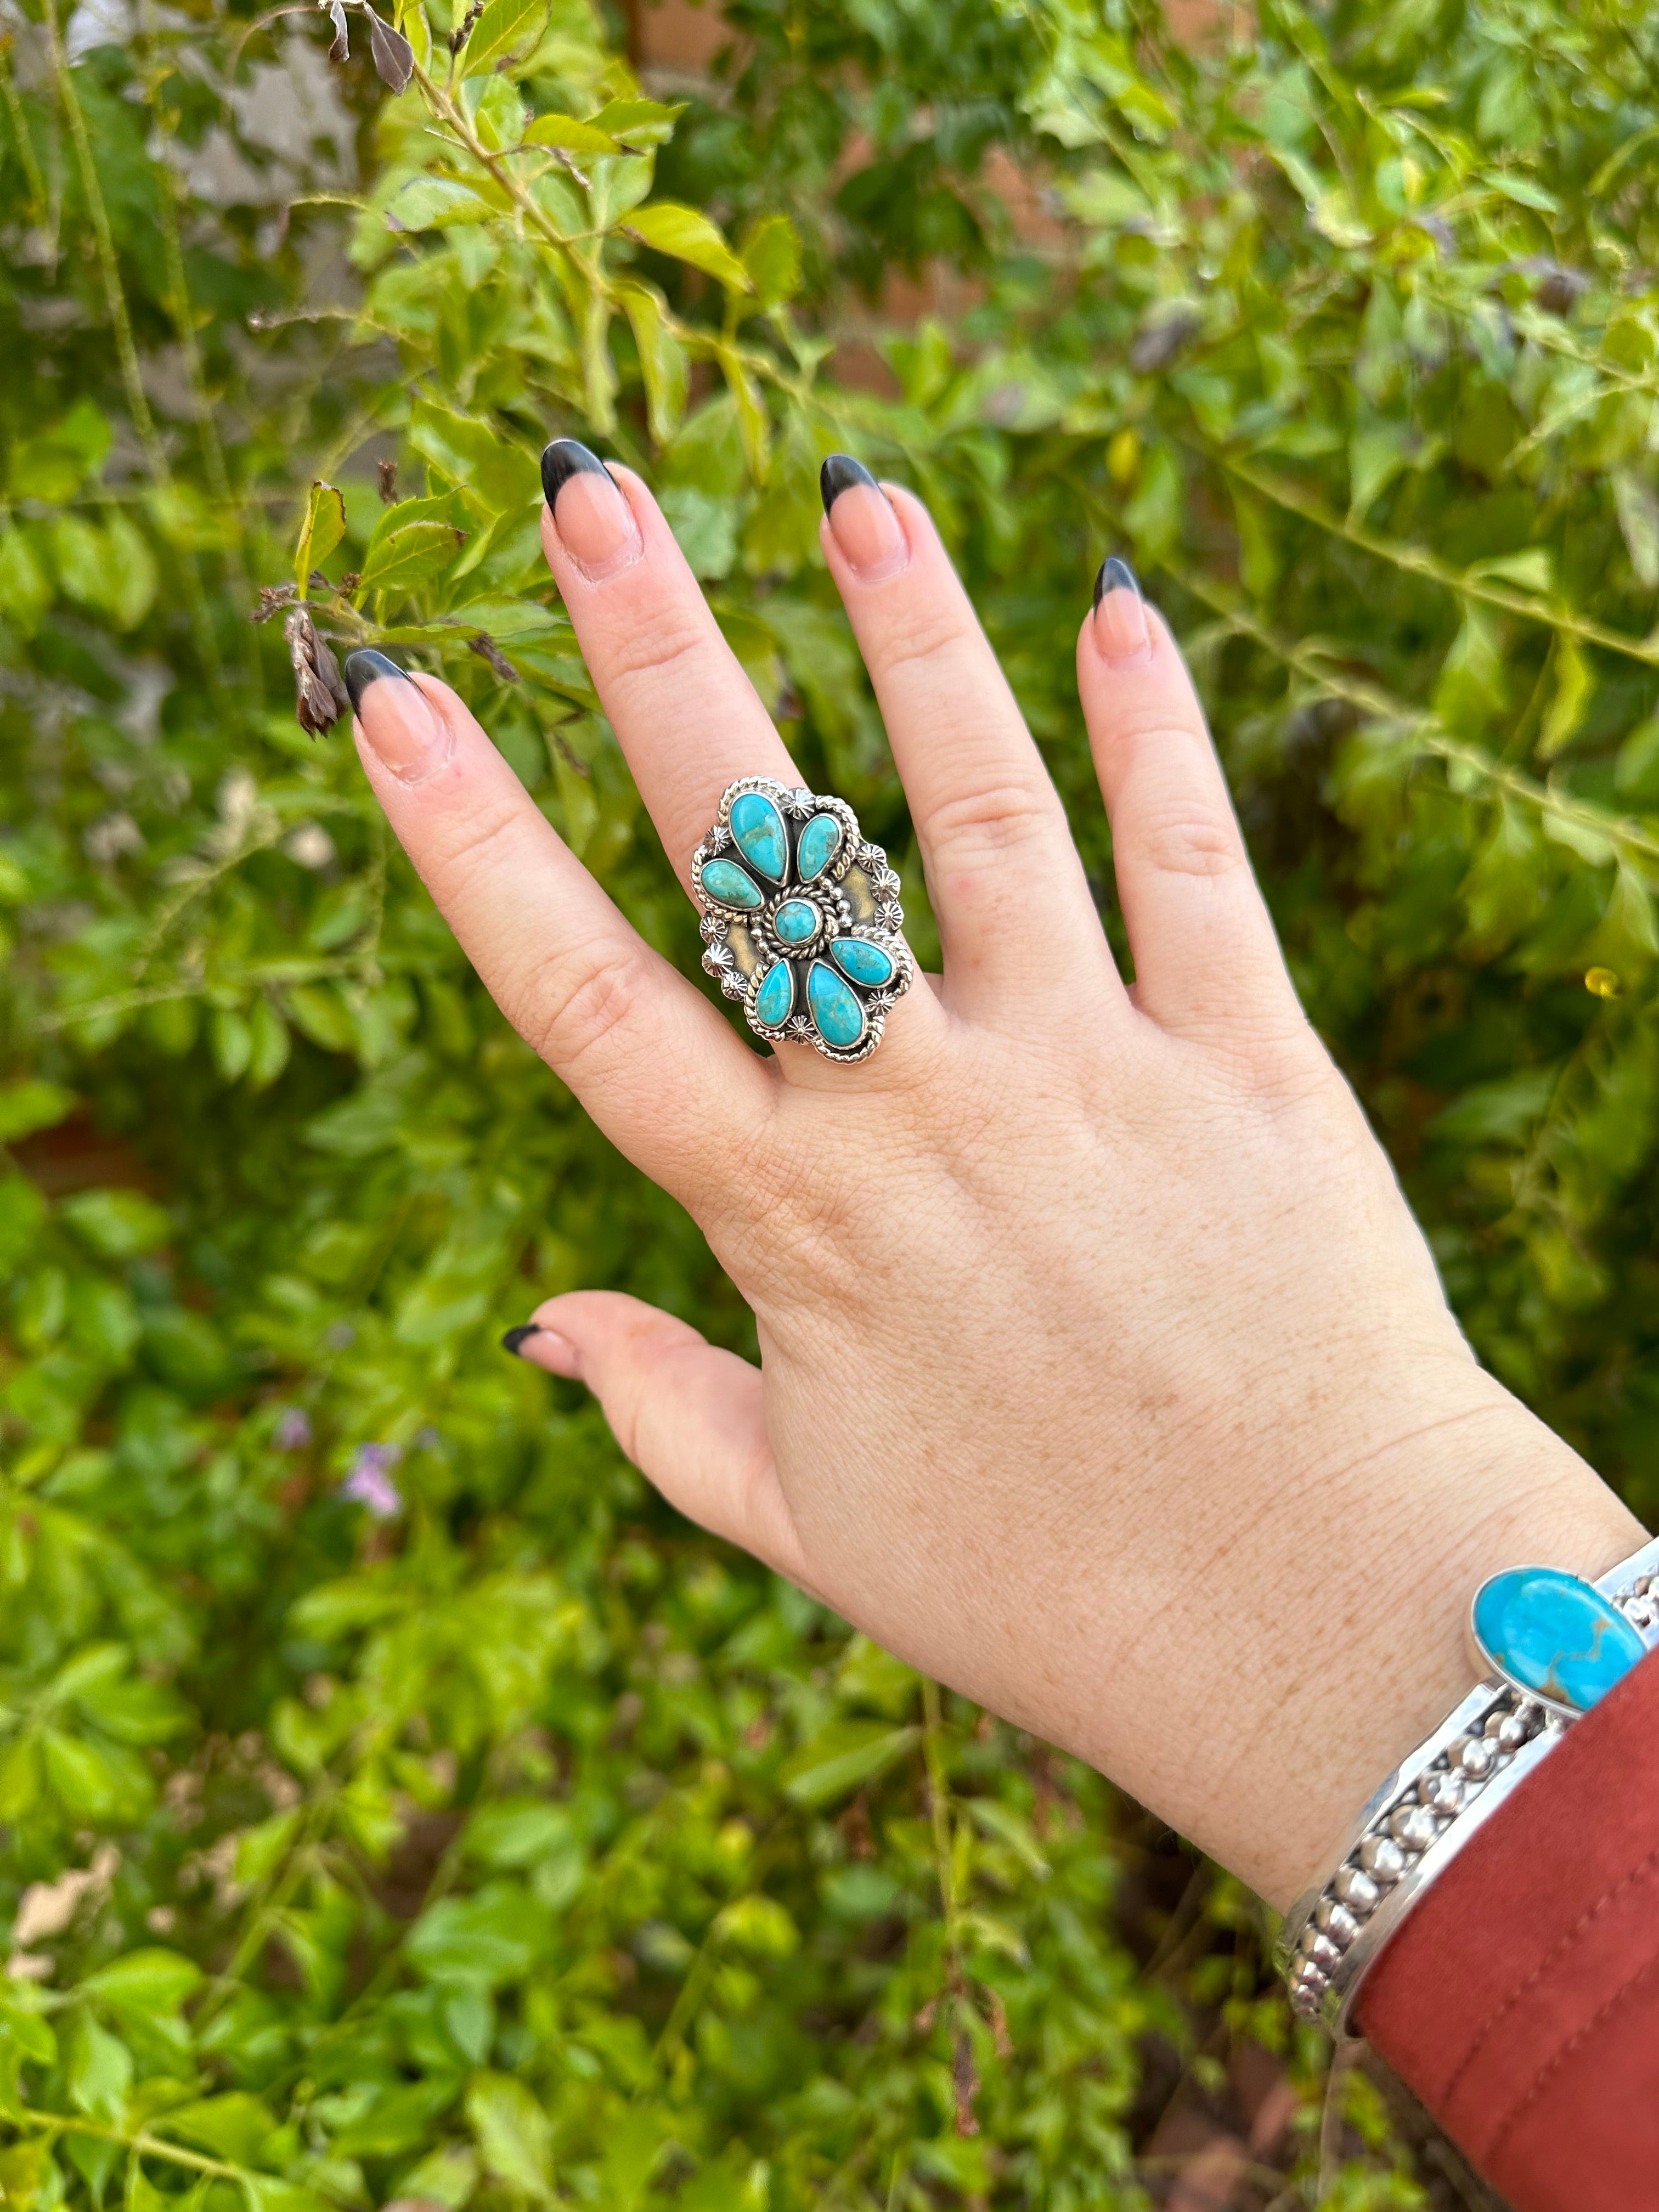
x=387, y=472
x=487, y=649
x=394, y=57
x=320, y=695
x=341, y=48
x=273, y=598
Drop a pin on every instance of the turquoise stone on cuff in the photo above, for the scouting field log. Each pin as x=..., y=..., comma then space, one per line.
x=820, y=842
x=726, y=881
x=1555, y=1634
x=836, y=1013
x=775, y=1001
x=758, y=827
x=796, y=920
x=862, y=962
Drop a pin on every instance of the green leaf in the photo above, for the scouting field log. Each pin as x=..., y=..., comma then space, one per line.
x=30, y=1105
x=97, y=2070
x=147, y=1980
x=569, y=136
x=235, y=2126
x=513, y=2134
x=118, y=1223
x=504, y=26
x=841, y=1757
x=771, y=254
x=663, y=363
x=321, y=530
x=638, y=123
x=1569, y=701
x=438, y=204
x=411, y=555
x=689, y=235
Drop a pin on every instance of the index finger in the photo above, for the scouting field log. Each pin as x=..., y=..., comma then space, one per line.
x=653, y=1062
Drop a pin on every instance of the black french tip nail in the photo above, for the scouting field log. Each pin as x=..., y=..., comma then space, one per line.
x=838, y=473
x=366, y=667
x=515, y=1337
x=564, y=459
x=1115, y=575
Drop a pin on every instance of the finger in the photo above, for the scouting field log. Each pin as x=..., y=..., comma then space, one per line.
x=1003, y=875
x=687, y=718
x=1205, y=952
x=688, y=1415
x=685, y=714
x=647, y=1055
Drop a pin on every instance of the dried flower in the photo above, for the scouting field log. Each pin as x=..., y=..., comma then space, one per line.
x=321, y=696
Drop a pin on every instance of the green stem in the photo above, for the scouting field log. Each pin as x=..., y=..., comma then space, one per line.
x=126, y=351
x=1627, y=836
x=1414, y=560
x=144, y=2143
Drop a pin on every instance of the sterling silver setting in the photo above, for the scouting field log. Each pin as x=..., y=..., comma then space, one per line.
x=1434, y=1802
x=852, y=898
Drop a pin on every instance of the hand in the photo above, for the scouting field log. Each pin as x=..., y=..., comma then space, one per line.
x=1104, y=1374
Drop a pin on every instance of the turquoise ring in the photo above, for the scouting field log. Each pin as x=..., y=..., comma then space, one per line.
x=801, y=918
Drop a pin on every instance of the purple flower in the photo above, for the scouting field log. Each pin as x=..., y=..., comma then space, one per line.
x=292, y=1432
x=369, y=1483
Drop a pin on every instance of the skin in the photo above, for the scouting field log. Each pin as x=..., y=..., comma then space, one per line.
x=1105, y=1375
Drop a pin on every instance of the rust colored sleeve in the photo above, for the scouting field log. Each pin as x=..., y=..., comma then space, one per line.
x=1521, y=1997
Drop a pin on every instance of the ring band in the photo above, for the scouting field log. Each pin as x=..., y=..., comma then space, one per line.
x=801, y=918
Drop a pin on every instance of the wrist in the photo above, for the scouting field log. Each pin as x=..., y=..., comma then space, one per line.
x=1488, y=1488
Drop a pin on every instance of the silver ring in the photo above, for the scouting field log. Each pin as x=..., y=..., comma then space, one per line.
x=801, y=918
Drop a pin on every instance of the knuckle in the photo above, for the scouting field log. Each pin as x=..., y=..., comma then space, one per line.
x=1191, y=840
x=574, y=1008
x=649, y=651
x=984, y=824
x=476, y=838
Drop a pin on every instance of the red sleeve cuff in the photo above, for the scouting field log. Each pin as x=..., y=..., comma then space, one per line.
x=1521, y=1997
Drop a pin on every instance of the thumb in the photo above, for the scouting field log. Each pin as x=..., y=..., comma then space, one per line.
x=688, y=1415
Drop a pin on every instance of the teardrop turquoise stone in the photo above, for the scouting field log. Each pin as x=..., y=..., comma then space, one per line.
x=758, y=827
x=795, y=920
x=1552, y=1632
x=835, y=1010
x=864, y=964
x=775, y=1001
x=820, y=842
x=726, y=881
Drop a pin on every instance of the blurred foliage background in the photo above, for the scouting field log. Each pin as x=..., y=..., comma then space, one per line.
x=398, y=1802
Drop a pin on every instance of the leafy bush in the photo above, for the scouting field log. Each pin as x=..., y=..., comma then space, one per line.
x=397, y=1800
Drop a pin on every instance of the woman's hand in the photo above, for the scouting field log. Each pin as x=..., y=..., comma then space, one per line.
x=1104, y=1374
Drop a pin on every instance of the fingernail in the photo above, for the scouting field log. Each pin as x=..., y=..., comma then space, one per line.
x=595, y=523
x=1120, y=628
x=397, y=718
x=553, y=1352
x=861, y=517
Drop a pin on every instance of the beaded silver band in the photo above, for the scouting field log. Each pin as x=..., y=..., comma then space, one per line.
x=1430, y=1806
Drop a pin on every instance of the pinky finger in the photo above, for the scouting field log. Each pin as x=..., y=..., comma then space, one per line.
x=688, y=1415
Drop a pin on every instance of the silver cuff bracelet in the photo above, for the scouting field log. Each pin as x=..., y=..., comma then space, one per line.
x=1445, y=1791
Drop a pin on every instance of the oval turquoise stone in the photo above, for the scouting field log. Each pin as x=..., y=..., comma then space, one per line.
x=775, y=1001
x=864, y=962
x=836, y=1013
x=820, y=842
x=726, y=881
x=795, y=920
x=1552, y=1632
x=758, y=827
